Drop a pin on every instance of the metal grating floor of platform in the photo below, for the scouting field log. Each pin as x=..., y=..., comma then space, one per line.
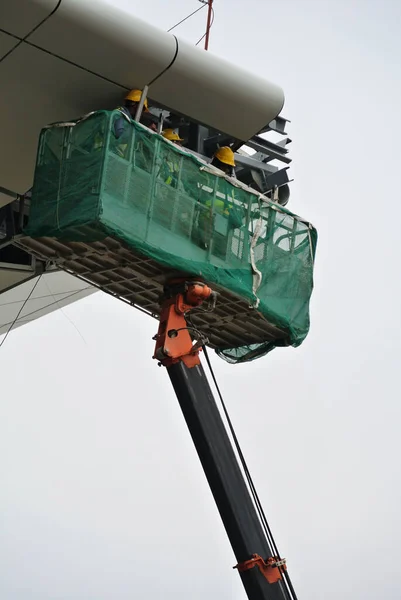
x=137, y=280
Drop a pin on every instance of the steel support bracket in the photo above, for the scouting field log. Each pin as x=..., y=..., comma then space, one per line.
x=270, y=569
x=174, y=341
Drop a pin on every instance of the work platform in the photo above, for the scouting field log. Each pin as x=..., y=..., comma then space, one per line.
x=129, y=214
x=139, y=281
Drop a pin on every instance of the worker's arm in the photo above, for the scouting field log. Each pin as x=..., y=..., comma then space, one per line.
x=121, y=127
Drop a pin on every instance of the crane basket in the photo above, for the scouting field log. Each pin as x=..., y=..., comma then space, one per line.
x=168, y=207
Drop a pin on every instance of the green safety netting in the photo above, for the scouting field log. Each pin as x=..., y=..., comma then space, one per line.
x=166, y=204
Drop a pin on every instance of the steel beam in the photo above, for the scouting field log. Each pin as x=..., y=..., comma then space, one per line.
x=273, y=151
x=252, y=163
x=278, y=124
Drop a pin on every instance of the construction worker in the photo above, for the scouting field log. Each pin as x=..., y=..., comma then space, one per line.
x=171, y=161
x=123, y=131
x=129, y=109
x=172, y=136
x=218, y=215
x=223, y=159
x=171, y=164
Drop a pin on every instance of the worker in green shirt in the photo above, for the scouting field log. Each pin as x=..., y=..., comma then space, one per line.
x=171, y=163
x=218, y=214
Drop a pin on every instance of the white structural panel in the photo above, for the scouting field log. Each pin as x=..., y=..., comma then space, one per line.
x=10, y=277
x=217, y=93
x=5, y=199
x=52, y=292
x=105, y=40
x=40, y=89
x=7, y=43
x=59, y=60
x=20, y=17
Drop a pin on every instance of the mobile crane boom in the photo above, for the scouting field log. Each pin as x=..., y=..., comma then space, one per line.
x=263, y=575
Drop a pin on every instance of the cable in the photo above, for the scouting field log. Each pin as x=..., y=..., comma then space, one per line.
x=242, y=458
x=207, y=30
x=262, y=516
x=52, y=303
x=42, y=297
x=200, y=39
x=20, y=310
x=289, y=589
x=60, y=308
x=182, y=21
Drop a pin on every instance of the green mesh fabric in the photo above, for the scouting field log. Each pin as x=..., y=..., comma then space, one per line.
x=166, y=204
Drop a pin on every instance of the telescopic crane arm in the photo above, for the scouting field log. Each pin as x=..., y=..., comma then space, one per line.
x=260, y=571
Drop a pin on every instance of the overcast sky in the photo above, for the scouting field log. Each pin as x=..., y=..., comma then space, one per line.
x=102, y=496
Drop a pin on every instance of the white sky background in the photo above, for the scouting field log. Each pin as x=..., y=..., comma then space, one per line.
x=103, y=497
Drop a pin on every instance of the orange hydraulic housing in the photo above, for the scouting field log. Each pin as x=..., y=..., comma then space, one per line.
x=270, y=569
x=173, y=340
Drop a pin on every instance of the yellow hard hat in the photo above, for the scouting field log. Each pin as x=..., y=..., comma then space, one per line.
x=225, y=155
x=135, y=96
x=171, y=135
